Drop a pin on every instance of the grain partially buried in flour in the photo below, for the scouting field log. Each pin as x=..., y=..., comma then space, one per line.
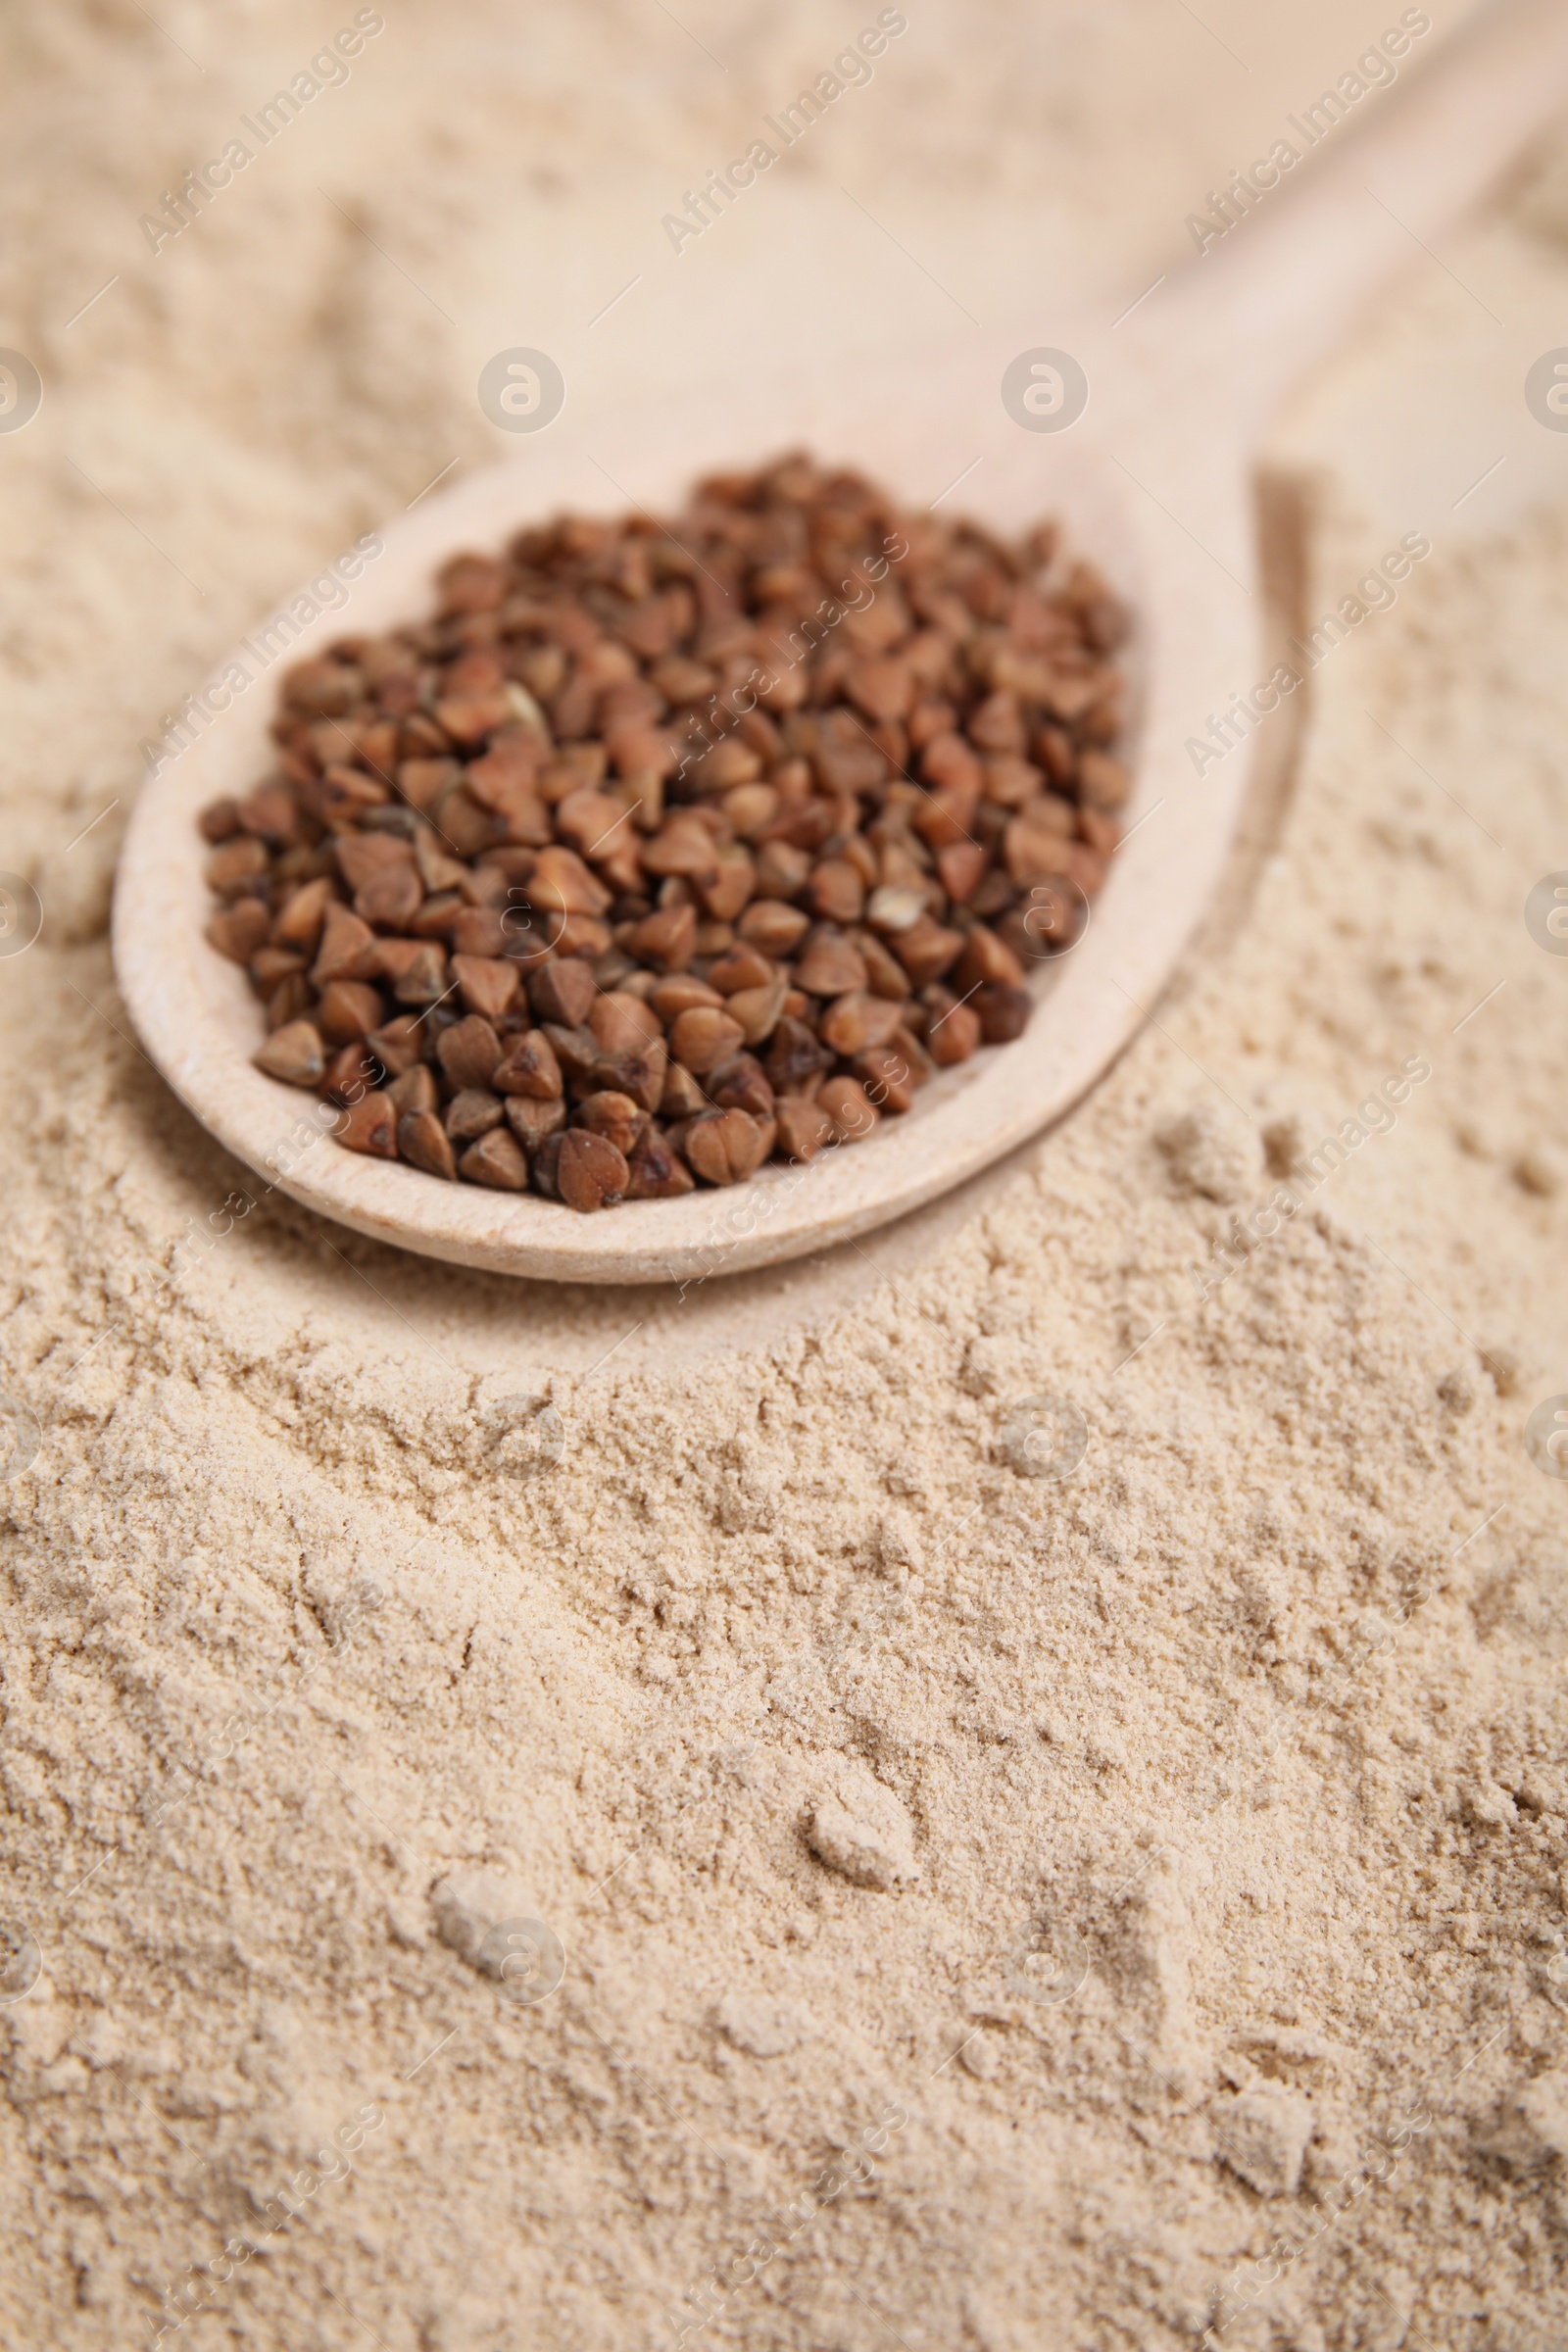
x=858, y=1828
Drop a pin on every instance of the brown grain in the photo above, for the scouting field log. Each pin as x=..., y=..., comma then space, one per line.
x=611, y=876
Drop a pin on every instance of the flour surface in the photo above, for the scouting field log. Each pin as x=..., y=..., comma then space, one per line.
x=757, y=1857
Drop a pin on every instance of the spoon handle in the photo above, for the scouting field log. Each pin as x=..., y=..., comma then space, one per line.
x=1242, y=326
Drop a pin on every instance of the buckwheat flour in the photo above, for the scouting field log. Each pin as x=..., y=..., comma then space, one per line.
x=556, y=1819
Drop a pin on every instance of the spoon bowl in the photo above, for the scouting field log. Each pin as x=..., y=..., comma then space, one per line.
x=202, y=1024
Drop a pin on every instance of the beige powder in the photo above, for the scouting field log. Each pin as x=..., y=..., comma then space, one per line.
x=994, y=1910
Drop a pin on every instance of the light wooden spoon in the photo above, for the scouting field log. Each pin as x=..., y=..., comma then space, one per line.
x=1152, y=484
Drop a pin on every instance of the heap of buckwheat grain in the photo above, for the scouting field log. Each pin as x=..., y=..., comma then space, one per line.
x=660, y=849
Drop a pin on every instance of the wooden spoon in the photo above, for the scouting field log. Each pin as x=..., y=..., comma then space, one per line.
x=1153, y=484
